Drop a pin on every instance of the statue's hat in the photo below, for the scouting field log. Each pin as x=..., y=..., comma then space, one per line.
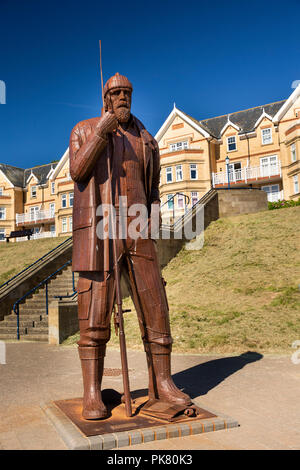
x=117, y=81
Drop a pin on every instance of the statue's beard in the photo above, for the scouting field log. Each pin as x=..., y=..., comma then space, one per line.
x=123, y=114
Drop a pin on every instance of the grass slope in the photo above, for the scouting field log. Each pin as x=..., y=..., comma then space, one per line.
x=15, y=256
x=239, y=292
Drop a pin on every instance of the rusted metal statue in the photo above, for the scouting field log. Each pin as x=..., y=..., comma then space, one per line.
x=117, y=142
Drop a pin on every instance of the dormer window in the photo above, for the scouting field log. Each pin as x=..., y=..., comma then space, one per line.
x=177, y=146
x=266, y=136
x=33, y=191
x=231, y=143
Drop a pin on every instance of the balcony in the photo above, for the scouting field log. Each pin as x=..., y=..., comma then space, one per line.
x=248, y=174
x=37, y=236
x=34, y=217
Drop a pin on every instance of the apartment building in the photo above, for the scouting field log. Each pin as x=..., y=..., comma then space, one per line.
x=38, y=198
x=257, y=147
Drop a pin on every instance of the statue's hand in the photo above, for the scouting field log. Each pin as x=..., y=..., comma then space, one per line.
x=108, y=123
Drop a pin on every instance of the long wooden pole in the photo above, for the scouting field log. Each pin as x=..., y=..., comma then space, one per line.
x=120, y=321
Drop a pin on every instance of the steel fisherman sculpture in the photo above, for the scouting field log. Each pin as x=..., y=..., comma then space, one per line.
x=120, y=139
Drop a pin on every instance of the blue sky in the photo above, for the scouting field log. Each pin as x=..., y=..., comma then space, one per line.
x=210, y=58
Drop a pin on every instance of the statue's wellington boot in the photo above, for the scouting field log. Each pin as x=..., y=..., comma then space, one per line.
x=92, y=362
x=161, y=385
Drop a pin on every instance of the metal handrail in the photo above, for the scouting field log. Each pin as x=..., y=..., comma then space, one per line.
x=38, y=260
x=182, y=217
x=72, y=295
x=16, y=306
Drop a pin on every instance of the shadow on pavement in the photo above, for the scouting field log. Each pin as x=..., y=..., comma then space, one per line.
x=198, y=380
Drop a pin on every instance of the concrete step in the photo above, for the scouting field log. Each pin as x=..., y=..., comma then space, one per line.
x=12, y=319
x=4, y=336
x=27, y=310
x=36, y=331
x=41, y=338
x=24, y=323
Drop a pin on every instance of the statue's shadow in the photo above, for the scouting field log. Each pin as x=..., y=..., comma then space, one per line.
x=201, y=378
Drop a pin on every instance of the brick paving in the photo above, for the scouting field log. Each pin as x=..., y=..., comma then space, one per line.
x=261, y=392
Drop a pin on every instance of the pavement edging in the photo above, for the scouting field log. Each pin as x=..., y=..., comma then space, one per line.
x=75, y=440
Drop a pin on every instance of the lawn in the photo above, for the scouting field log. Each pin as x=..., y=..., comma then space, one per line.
x=239, y=292
x=15, y=256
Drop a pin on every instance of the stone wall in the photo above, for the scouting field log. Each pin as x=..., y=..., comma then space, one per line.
x=62, y=321
x=241, y=201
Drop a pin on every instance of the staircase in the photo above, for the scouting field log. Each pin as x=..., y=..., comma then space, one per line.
x=33, y=317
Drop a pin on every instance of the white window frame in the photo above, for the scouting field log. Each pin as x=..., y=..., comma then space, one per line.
x=4, y=213
x=70, y=224
x=293, y=153
x=263, y=136
x=169, y=198
x=2, y=231
x=33, y=196
x=180, y=197
x=195, y=168
x=52, y=187
x=52, y=228
x=179, y=173
x=1, y=191
x=71, y=198
x=169, y=173
x=231, y=143
x=64, y=224
x=178, y=146
x=194, y=194
x=64, y=198
x=52, y=208
x=296, y=183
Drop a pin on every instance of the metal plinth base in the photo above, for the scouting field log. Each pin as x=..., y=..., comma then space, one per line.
x=118, y=430
x=155, y=413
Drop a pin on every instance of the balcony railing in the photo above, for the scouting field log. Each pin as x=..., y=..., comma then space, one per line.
x=38, y=235
x=246, y=174
x=35, y=216
x=275, y=196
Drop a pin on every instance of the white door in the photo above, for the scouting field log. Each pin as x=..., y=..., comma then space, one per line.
x=269, y=166
x=34, y=212
x=272, y=191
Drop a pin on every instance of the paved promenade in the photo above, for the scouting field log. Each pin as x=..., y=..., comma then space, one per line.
x=262, y=393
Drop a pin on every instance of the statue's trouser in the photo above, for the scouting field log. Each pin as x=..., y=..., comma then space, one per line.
x=96, y=292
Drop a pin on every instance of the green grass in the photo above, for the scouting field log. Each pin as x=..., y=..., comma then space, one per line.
x=16, y=256
x=239, y=292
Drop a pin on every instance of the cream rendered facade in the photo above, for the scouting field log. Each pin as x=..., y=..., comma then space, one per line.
x=263, y=146
x=45, y=207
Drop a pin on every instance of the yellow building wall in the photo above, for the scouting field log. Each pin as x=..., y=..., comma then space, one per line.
x=248, y=151
x=63, y=185
x=197, y=153
x=8, y=201
x=289, y=133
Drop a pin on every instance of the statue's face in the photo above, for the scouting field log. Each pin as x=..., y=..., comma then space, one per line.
x=120, y=99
